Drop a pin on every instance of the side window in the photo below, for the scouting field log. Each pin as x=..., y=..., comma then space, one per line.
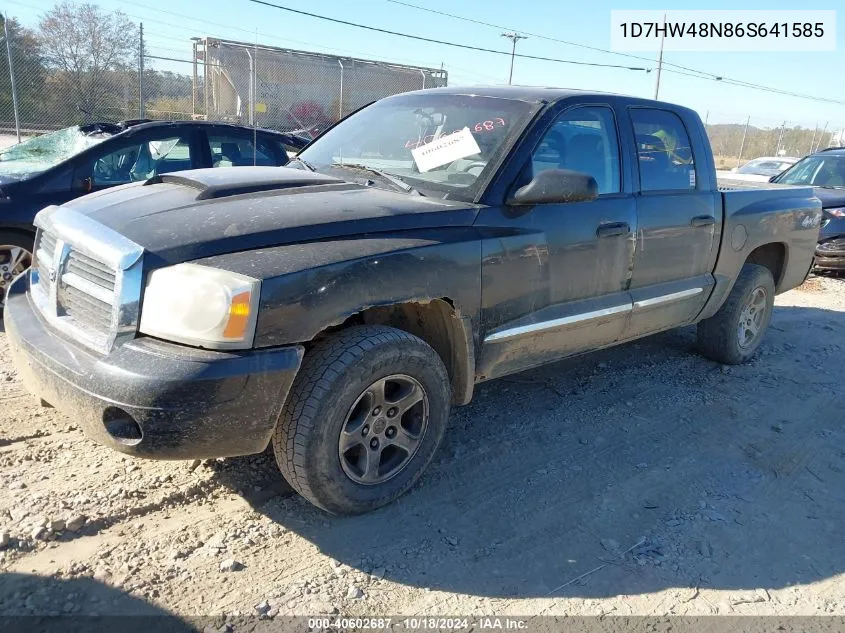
x=664, y=152
x=140, y=160
x=231, y=150
x=583, y=139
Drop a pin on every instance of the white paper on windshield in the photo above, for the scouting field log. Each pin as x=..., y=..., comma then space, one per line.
x=446, y=149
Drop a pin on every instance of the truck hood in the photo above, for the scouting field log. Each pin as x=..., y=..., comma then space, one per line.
x=201, y=213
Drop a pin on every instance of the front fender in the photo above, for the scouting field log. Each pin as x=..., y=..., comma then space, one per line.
x=307, y=288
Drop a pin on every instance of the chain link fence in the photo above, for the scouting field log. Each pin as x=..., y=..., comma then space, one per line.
x=290, y=90
x=225, y=80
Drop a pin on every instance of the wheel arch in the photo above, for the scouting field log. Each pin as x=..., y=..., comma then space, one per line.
x=439, y=323
x=773, y=256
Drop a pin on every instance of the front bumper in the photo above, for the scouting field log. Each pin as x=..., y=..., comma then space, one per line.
x=830, y=254
x=150, y=398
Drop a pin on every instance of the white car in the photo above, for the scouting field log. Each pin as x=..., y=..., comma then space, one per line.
x=759, y=169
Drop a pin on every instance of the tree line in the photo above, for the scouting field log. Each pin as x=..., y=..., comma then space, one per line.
x=726, y=140
x=80, y=64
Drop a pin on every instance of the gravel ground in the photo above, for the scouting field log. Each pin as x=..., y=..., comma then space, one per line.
x=642, y=480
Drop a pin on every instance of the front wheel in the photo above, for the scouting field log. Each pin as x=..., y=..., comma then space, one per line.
x=15, y=258
x=733, y=335
x=363, y=420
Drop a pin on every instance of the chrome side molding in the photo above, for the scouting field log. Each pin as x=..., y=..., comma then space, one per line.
x=673, y=296
x=556, y=323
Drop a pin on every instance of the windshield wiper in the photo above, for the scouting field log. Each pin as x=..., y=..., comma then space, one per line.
x=391, y=178
x=308, y=165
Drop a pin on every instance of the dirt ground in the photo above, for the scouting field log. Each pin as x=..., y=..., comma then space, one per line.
x=642, y=480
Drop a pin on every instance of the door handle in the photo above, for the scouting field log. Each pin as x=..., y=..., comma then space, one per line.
x=703, y=220
x=613, y=229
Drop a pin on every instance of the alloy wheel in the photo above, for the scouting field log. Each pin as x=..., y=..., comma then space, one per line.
x=383, y=429
x=14, y=260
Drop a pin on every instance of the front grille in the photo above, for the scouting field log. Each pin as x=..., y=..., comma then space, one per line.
x=83, y=308
x=45, y=250
x=836, y=245
x=91, y=270
x=84, y=286
x=88, y=286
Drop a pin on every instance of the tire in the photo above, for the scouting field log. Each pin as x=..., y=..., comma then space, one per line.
x=720, y=337
x=13, y=239
x=341, y=378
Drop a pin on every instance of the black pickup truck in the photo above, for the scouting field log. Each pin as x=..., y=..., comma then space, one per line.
x=337, y=307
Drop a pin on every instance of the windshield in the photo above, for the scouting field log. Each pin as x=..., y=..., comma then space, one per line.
x=40, y=153
x=821, y=170
x=765, y=166
x=435, y=142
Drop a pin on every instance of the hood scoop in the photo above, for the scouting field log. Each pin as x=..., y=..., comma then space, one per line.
x=233, y=181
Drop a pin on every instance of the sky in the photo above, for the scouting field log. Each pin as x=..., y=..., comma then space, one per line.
x=168, y=25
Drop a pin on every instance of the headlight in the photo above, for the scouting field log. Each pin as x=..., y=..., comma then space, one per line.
x=201, y=306
x=836, y=212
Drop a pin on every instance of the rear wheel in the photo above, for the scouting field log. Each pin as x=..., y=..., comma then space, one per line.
x=365, y=416
x=15, y=258
x=733, y=335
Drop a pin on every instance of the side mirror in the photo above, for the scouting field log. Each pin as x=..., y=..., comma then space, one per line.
x=556, y=186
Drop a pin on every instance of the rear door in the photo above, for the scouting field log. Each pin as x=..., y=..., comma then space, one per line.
x=679, y=215
x=242, y=148
x=554, y=279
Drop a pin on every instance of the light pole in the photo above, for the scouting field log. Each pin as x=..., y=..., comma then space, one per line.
x=660, y=59
x=513, y=37
x=12, y=75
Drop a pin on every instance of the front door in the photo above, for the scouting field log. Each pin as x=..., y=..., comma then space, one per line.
x=137, y=157
x=678, y=222
x=554, y=276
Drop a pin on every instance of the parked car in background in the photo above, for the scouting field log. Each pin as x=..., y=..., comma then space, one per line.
x=825, y=170
x=62, y=165
x=759, y=169
x=429, y=242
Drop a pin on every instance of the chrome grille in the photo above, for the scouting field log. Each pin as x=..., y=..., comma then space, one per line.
x=83, y=308
x=91, y=270
x=86, y=278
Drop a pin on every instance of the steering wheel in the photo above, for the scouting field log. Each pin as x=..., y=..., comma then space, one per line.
x=473, y=165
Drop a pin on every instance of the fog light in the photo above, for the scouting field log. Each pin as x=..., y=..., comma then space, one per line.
x=121, y=426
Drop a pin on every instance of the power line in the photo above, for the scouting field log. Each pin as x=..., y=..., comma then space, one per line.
x=744, y=84
x=690, y=72
x=535, y=35
x=264, y=36
x=443, y=42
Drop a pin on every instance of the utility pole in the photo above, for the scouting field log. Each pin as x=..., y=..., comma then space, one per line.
x=813, y=141
x=821, y=136
x=141, y=75
x=780, y=138
x=194, y=81
x=742, y=145
x=514, y=38
x=12, y=76
x=660, y=58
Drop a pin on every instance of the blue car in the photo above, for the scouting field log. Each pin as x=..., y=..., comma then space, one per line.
x=825, y=170
x=57, y=167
